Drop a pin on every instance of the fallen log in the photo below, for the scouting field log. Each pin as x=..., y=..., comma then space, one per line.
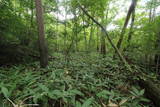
x=152, y=92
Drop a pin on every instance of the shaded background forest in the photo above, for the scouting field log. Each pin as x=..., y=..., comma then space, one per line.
x=67, y=28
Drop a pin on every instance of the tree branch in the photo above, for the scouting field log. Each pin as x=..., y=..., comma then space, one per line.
x=107, y=35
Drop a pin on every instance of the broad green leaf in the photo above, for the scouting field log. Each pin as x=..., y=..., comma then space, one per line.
x=88, y=102
x=78, y=104
x=76, y=92
x=43, y=87
x=5, y=92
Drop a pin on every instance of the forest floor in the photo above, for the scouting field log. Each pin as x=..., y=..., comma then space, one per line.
x=81, y=80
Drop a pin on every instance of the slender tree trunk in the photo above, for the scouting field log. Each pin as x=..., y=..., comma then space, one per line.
x=84, y=32
x=31, y=20
x=131, y=28
x=32, y=14
x=147, y=56
x=150, y=14
x=42, y=44
x=76, y=39
x=65, y=37
x=97, y=39
x=152, y=11
x=103, y=43
x=103, y=39
x=65, y=27
x=57, y=28
x=130, y=11
x=76, y=32
x=91, y=37
x=157, y=55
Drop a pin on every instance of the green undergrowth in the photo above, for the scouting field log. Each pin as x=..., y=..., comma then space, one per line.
x=75, y=81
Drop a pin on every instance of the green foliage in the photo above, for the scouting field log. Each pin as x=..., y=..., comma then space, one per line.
x=83, y=82
x=74, y=78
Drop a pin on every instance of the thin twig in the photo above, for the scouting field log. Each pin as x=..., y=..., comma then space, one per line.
x=27, y=98
x=14, y=105
x=31, y=105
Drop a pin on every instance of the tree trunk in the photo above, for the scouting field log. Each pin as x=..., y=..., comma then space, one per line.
x=30, y=34
x=103, y=39
x=42, y=44
x=97, y=39
x=84, y=33
x=157, y=55
x=32, y=14
x=76, y=39
x=75, y=31
x=91, y=37
x=152, y=11
x=103, y=43
x=130, y=11
x=57, y=28
x=131, y=28
x=130, y=31
x=65, y=28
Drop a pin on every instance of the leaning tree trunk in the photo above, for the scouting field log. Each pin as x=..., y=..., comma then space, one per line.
x=131, y=28
x=42, y=44
x=130, y=31
x=130, y=11
x=108, y=37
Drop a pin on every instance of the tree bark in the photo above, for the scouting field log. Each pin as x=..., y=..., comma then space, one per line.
x=103, y=43
x=130, y=11
x=84, y=33
x=65, y=28
x=42, y=45
x=103, y=39
x=57, y=28
x=32, y=14
x=157, y=55
x=130, y=31
x=91, y=37
x=131, y=28
x=75, y=31
x=98, y=39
